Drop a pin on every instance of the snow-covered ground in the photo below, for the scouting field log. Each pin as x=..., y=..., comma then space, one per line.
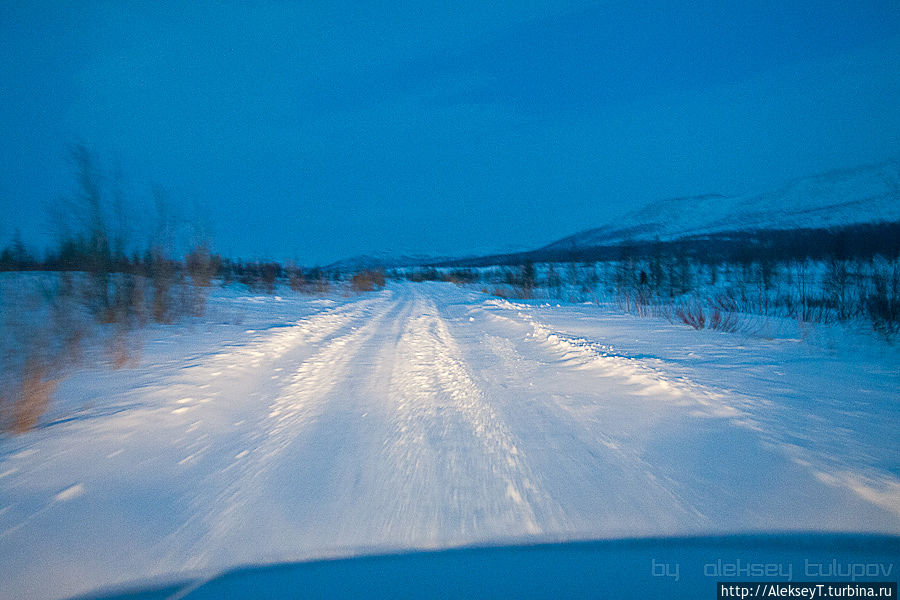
x=428, y=416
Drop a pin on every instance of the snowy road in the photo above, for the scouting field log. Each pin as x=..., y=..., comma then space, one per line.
x=426, y=416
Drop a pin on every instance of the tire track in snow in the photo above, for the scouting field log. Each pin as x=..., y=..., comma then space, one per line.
x=646, y=380
x=233, y=380
x=601, y=482
x=579, y=446
x=872, y=485
x=869, y=484
x=461, y=473
x=226, y=502
x=311, y=329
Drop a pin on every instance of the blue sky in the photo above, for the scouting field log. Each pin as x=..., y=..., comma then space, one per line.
x=315, y=131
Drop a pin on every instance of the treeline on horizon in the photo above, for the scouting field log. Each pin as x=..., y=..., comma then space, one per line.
x=200, y=265
x=861, y=241
x=91, y=237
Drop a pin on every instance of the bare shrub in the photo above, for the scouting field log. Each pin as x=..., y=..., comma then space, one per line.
x=636, y=301
x=27, y=399
x=838, y=287
x=883, y=301
x=70, y=333
x=319, y=281
x=201, y=265
x=527, y=279
x=367, y=280
x=322, y=286
x=191, y=299
x=162, y=277
x=723, y=321
x=711, y=316
x=691, y=313
x=501, y=292
x=460, y=276
x=724, y=302
x=269, y=276
x=296, y=278
x=121, y=350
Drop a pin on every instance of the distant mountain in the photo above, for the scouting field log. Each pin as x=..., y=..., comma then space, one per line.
x=867, y=194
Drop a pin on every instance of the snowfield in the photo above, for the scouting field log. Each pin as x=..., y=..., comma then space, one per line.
x=429, y=416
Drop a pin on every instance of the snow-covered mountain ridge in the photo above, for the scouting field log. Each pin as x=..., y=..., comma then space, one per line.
x=866, y=194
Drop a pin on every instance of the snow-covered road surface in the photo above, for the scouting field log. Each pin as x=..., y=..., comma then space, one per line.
x=427, y=416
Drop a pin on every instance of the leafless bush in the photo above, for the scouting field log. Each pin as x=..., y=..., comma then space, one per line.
x=29, y=402
x=723, y=320
x=691, y=313
x=296, y=279
x=637, y=301
x=527, y=279
x=502, y=292
x=121, y=350
x=708, y=315
x=162, y=276
x=201, y=265
x=48, y=328
x=724, y=302
x=320, y=281
x=883, y=301
x=367, y=280
x=269, y=276
x=33, y=352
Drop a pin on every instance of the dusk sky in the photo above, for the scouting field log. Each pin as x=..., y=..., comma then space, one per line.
x=319, y=130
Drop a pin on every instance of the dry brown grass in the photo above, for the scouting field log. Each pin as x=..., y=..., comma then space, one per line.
x=367, y=281
x=30, y=401
x=122, y=351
